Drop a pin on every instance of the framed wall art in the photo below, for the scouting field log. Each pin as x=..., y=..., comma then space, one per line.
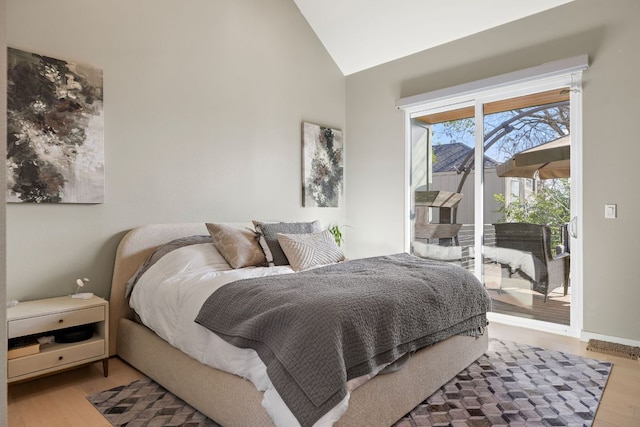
x=55, y=126
x=322, y=166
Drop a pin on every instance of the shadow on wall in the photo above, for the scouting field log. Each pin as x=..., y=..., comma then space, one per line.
x=515, y=60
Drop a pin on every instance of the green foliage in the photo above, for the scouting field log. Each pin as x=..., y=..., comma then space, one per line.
x=549, y=205
x=337, y=234
x=455, y=131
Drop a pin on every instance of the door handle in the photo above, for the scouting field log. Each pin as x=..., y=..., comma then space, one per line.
x=573, y=227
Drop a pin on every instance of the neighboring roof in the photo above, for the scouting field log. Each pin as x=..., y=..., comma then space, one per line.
x=449, y=157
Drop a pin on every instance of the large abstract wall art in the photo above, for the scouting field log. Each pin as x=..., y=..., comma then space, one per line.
x=322, y=166
x=55, y=123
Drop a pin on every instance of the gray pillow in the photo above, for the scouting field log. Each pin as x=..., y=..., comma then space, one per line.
x=268, y=232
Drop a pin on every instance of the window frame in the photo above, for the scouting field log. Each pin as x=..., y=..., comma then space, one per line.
x=555, y=75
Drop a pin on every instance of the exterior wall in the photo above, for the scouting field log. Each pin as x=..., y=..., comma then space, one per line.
x=493, y=184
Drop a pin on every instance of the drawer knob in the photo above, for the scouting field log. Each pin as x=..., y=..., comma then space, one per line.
x=61, y=320
x=60, y=357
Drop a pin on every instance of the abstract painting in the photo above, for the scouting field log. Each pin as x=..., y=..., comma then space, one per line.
x=55, y=123
x=322, y=166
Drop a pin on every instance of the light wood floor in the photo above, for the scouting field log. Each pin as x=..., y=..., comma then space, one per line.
x=60, y=400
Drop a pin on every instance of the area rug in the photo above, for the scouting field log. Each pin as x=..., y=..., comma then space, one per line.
x=512, y=385
x=146, y=403
x=517, y=385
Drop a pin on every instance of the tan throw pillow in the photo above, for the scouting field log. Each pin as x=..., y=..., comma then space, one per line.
x=239, y=246
x=310, y=250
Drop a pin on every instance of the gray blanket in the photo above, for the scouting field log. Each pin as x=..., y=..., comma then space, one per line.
x=317, y=329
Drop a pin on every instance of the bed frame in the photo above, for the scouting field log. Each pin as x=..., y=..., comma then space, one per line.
x=233, y=401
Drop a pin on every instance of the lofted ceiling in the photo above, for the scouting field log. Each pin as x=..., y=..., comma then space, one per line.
x=360, y=34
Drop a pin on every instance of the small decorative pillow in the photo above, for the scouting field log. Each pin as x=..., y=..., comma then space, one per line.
x=239, y=246
x=310, y=250
x=268, y=232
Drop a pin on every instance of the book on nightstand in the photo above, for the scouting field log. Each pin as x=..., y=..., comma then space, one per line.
x=23, y=350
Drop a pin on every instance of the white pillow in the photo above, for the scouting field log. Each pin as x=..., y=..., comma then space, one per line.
x=310, y=250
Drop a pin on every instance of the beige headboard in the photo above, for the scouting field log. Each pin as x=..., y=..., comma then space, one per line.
x=133, y=250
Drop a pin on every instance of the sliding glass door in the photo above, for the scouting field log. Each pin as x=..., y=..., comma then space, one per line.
x=442, y=212
x=490, y=190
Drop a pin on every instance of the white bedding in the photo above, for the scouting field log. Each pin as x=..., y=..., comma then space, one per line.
x=515, y=259
x=168, y=297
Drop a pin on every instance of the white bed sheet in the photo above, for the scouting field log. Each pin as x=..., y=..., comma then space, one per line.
x=169, y=296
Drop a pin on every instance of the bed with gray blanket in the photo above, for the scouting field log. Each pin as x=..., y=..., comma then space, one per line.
x=344, y=321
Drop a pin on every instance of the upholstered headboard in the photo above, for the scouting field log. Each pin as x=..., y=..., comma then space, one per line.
x=133, y=250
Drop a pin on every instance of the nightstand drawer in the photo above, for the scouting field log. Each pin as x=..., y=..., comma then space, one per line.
x=57, y=357
x=51, y=322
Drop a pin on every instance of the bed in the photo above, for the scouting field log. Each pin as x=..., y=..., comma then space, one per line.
x=234, y=401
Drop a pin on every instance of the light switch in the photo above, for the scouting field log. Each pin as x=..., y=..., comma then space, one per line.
x=610, y=211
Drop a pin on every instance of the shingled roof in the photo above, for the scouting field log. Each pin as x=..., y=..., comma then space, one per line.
x=449, y=157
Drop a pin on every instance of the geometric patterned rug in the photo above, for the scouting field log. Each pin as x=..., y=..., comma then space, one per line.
x=517, y=385
x=512, y=385
x=144, y=403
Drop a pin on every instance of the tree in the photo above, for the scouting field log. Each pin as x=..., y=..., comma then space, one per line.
x=517, y=130
x=548, y=205
x=533, y=127
x=509, y=132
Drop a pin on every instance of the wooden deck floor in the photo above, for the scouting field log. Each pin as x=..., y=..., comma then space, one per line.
x=514, y=297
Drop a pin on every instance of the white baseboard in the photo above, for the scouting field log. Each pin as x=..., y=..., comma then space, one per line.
x=555, y=328
x=537, y=325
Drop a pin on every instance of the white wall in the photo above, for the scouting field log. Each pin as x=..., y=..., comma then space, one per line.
x=3, y=275
x=609, y=34
x=204, y=102
x=203, y=105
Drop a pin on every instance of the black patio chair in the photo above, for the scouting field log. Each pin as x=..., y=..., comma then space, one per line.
x=550, y=270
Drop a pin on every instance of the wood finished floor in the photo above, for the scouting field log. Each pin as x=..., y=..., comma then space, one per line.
x=60, y=400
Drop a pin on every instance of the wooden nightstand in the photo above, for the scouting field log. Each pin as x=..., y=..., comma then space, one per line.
x=44, y=317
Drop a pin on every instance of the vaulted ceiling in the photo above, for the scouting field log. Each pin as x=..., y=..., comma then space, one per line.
x=360, y=34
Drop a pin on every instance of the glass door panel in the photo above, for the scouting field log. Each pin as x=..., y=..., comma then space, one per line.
x=524, y=180
x=526, y=151
x=442, y=194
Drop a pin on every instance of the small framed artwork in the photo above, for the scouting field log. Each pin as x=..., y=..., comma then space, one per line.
x=55, y=130
x=322, y=166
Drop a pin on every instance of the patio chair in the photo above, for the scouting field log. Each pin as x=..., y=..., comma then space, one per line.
x=547, y=270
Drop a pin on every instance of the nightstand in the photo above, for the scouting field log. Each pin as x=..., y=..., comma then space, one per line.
x=46, y=316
